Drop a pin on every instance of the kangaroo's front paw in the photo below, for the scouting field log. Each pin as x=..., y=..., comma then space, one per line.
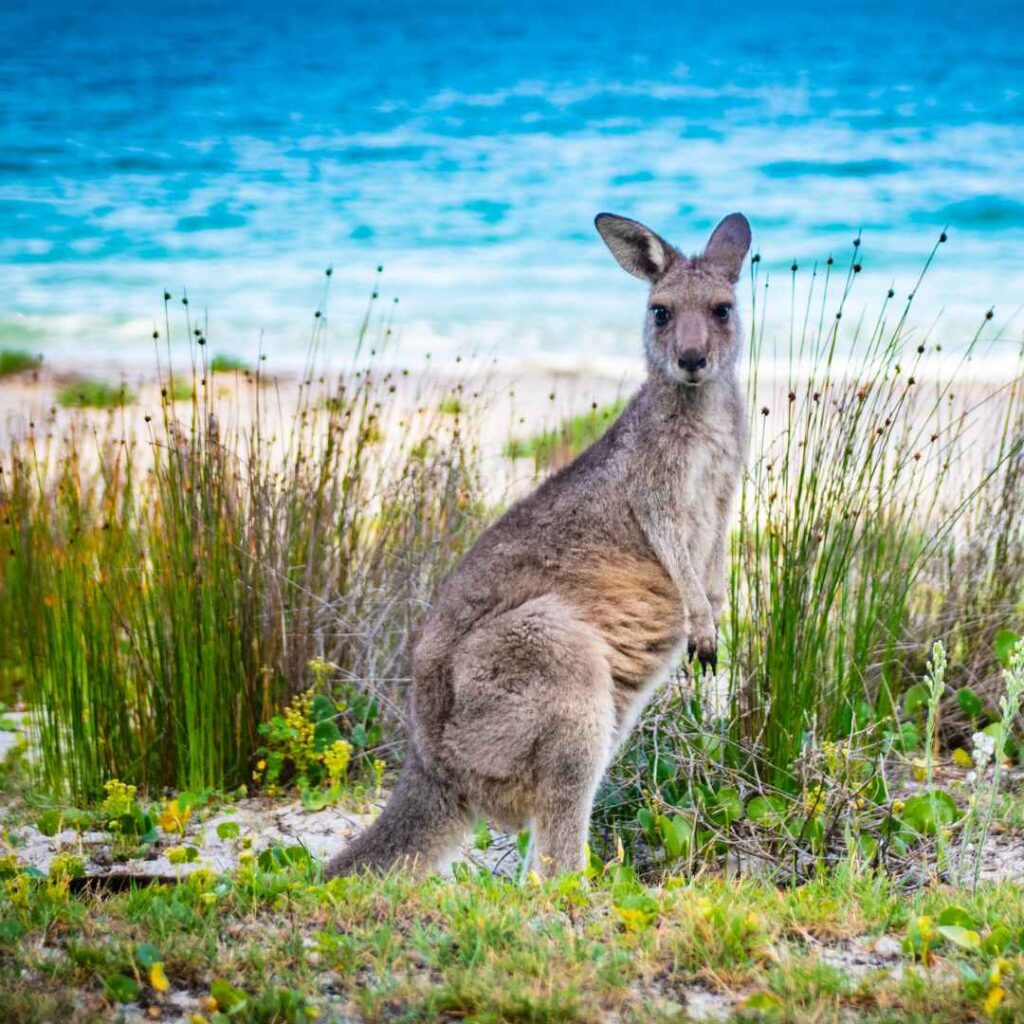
x=703, y=643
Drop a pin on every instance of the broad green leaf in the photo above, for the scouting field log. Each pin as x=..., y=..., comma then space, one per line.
x=676, y=835
x=915, y=699
x=969, y=702
x=909, y=737
x=77, y=819
x=121, y=988
x=728, y=806
x=997, y=942
x=927, y=813
x=147, y=954
x=229, y=999
x=808, y=830
x=324, y=734
x=315, y=799
x=1004, y=643
x=228, y=830
x=965, y=938
x=10, y=930
x=700, y=795
x=648, y=821
x=767, y=810
x=665, y=770
x=954, y=915
x=867, y=846
x=276, y=858
x=321, y=708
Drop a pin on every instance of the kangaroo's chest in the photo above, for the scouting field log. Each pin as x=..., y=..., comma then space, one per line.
x=704, y=493
x=700, y=467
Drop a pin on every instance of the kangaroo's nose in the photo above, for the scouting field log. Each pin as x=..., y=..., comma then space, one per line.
x=691, y=360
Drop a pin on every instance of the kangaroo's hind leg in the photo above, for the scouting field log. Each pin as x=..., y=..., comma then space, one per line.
x=531, y=728
x=571, y=761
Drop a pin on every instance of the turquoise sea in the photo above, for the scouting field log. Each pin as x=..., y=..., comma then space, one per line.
x=236, y=151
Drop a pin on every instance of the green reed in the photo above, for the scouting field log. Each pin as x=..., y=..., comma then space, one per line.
x=850, y=515
x=164, y=582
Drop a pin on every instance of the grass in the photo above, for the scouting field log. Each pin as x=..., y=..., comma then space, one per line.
x=219, y=563
x=13, y=360
x=552, y=448
x=222, y=363
x=278, y=945
x=85, y=393
x=450, y=405
x=179, y=390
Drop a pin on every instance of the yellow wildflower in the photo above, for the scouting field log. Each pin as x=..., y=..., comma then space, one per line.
x=993, y=999
x=119, y=799
x=173, y=817
x=158, y=977
x=336, y=758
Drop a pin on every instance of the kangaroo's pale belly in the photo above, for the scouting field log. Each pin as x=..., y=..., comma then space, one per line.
x=636, y=609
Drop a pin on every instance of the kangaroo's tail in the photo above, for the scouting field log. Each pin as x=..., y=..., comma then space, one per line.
x=418, y=827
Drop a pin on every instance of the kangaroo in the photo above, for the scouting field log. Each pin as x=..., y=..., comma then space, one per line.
x=549, y=637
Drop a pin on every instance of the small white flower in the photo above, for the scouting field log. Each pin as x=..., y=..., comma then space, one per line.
x=984, y=748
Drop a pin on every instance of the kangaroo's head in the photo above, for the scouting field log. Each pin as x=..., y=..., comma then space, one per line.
x=690, y=329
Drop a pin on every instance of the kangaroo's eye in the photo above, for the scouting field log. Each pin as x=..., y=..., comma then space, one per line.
x=660, y=315
x=721, y=312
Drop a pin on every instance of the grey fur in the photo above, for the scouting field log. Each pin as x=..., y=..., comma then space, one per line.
x=549, y=637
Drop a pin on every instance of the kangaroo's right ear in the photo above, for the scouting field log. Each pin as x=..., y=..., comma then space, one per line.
x=638, y=249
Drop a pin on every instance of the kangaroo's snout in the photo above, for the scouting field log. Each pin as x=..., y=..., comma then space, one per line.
x=692, y=361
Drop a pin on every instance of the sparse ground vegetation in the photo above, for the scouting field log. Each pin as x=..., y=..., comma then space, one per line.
x=85, y=393
x=14, y=360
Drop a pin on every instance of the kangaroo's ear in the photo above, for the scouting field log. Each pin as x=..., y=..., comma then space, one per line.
x=728, y=245
x=638, y=249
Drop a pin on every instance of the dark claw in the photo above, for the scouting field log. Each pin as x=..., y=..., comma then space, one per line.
x=709, y=659
x=691, y=650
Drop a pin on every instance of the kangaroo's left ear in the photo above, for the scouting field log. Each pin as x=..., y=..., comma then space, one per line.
x=728, y=245
x=639, y=250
